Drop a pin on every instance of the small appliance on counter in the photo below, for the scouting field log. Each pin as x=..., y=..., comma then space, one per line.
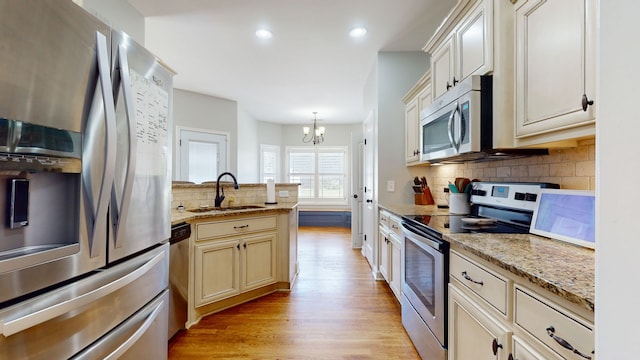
x=497, y=207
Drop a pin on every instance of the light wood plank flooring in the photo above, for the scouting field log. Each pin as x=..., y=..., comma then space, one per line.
x=335, y=311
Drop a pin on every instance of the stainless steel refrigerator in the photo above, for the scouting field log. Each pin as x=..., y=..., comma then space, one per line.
x=85, y=129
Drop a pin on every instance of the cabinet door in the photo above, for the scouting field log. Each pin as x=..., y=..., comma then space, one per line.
x=524, y=351
x=412, y=125
x=555, y=65
x=396, y=266
x=473, y=333
x=383, y=246
x=258, y=261
x=442, y=61
x=474, y=42
x=217, y=273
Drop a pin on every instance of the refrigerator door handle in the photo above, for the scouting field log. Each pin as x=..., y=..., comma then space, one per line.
x=121, y=208
x=40, y=313
x=98, y=224
x=147, y=316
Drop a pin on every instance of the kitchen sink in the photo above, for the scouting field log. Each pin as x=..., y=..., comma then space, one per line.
x=226, y=208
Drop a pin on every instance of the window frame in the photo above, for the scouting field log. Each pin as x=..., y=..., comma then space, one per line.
x=315, y=200
x=264, y=148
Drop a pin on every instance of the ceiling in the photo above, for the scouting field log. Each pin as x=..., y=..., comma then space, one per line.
x=310, y=64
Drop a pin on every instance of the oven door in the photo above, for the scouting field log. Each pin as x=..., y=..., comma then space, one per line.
x=424, y=282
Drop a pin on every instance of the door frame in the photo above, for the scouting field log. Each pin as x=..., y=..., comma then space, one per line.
x=178, y=147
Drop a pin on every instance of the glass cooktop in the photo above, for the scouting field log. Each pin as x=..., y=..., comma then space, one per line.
x=455, y=224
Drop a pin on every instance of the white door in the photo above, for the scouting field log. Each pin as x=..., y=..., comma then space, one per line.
x=356, y=201
x=368, y=208
x=202, y=155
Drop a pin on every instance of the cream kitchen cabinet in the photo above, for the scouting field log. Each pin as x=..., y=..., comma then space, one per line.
x=390, y=251
x=241, y=259
x=487, y=303
x=418, y=98
x=555, y=70
x=463, y=46
x=473, y=332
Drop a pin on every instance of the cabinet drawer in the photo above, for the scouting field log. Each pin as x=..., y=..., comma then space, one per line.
x=235, y=227
x=486, y=284
x=394, y=226
x=384, y=219
x=536, y=315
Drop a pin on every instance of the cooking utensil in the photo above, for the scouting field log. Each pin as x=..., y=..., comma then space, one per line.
x=416, y=181
x=452, y=188
x=463, y=185
x=418, y=189
x=423, y=181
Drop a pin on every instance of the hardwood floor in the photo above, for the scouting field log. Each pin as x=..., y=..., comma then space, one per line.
x=335, y=311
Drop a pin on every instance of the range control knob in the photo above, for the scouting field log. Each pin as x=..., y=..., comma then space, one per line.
x=479, y=192
x=530, y=197
x=519, y=196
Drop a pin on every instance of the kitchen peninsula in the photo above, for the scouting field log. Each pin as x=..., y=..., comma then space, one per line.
x=238, y=252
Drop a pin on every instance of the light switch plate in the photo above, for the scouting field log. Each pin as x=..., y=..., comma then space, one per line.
x=391, y=186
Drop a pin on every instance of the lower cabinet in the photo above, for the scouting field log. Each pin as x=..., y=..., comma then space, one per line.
x=229, y=267
x=474, y=333
x=493, y=314
x=390, y=251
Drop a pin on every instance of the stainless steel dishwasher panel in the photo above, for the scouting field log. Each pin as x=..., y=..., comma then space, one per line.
x=178, y=277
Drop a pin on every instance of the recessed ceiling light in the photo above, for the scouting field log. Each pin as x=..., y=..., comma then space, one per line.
x=357, y=32
x=264, y=34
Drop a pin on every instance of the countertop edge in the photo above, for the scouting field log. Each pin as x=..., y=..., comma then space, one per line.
x=189, y=217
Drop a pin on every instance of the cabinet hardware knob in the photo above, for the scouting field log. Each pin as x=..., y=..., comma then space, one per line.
x=449, y=86
x=241, y=227
x=369, y=200
x=586, y=102
x=511, y=357
x=495, y=346
x=467, y=277
x=564, y=343
x=238, y=246
x=244, y=245
x=455, y=81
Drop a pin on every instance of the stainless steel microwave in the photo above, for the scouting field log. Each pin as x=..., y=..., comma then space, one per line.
x=459, y=121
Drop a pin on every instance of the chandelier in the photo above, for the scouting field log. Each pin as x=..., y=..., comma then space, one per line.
x=317, y=136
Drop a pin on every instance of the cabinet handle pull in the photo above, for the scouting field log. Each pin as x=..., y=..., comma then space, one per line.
x=511, y=357
x=241, y=227
x=467, y=277
x=238, y=246
x=449, y=86
x=244, y=245
x=551, y=331
x=495, y=346
x=455, y=81
x=586, y=102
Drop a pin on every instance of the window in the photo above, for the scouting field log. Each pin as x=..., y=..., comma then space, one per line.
x=269, y=162
x=202, y=155
x=322, y=173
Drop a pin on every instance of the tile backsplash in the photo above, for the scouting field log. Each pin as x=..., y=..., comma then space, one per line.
x=194, y=196
x=572, y=168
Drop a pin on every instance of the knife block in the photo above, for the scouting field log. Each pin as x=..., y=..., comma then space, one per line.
x=424, y=198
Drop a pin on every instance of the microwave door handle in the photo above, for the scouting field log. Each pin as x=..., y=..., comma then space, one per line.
x=450, y=126
x=121, y=206
x=462, y=129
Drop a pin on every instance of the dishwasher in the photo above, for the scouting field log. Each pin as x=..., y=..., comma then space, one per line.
x=178, y=277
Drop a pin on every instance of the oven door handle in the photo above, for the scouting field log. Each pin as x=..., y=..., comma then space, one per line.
x=424, y=237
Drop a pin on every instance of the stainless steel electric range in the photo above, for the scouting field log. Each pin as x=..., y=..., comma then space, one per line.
x=496, y=208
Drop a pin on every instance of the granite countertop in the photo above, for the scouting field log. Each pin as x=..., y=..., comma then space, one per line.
x=561, y=268
x=187, y=216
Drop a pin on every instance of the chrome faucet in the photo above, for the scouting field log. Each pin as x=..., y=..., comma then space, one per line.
x=220, y=198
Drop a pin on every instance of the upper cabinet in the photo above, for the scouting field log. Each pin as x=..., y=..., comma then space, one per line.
x=555, y=70
x=415, y=100
x=464, y=48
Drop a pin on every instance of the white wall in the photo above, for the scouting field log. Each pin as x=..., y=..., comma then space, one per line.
x=617, y=153
x=118, y=14
x=397, y=73
x=199, y=111
x=248, y=148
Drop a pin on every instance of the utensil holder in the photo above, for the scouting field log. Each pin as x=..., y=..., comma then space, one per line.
x=459, y=203
x=425, y=198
